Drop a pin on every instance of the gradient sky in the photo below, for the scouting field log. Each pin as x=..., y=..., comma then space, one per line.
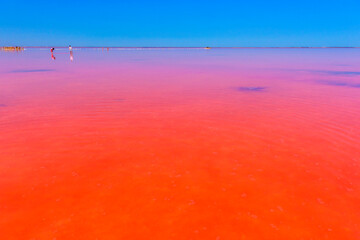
x=184, y=23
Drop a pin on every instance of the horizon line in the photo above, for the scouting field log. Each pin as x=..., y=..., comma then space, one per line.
x=147, y=47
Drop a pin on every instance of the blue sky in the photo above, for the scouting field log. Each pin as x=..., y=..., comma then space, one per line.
x=183, y=23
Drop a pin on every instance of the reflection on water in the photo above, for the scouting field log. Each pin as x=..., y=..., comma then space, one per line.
x=184, y=144
x=251, y=89
x=336, y=73
x=341, y=84
x=31, y=70
x=52, y=56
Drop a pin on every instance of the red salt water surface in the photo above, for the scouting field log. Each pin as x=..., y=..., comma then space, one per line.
x=180, y=144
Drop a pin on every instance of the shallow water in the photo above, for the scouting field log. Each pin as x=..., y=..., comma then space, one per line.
x=180, y=144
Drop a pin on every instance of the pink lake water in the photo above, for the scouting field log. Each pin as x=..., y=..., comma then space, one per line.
x=180, y=144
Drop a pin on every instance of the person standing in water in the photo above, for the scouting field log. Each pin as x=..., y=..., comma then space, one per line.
x=52, y=53
x=70, y=48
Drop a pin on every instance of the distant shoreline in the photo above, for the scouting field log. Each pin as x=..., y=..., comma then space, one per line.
x=168, y=47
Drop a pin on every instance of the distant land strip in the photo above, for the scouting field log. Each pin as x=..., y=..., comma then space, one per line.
x=106, y=48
